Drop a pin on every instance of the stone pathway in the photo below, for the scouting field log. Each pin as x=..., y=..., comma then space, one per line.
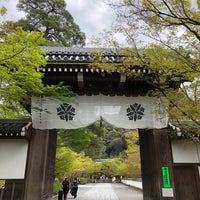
x=106, y=191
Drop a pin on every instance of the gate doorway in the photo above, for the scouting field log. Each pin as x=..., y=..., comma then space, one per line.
x=71, y=66
x=114, y=152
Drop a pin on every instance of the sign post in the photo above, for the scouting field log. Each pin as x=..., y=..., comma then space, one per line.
x=166, y=177
x=167, y=191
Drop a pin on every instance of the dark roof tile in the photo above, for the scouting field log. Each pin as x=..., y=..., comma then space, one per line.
x=77, y=55
x=12, y=127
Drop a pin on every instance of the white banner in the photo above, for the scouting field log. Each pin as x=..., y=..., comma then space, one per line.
x=119, y=111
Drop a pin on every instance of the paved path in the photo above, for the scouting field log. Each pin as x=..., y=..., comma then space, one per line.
x=106, y=191
x=133, y=183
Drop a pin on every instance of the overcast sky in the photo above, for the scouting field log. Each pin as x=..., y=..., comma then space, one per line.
x=93, y=16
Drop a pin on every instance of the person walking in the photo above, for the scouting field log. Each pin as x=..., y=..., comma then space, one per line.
x=65, y=185
x=74, y=188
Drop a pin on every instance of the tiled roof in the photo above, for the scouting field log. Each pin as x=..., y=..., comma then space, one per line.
x=77, y=55
x=13, y=127
x=78, y=50
x=74, y=59
x=188, y=129
x=72, y=67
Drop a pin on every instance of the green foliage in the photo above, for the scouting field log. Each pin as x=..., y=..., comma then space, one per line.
x=78, y=140
x=70, y=164
x=96, y=148
x=177, y=67
x=64, y=162
x=114, y=141
x=3, y=10
x=20, y=59
x=57, y=186
x=132, y=162
x=83, y=165
x=21, y=63
x=152, y=17
x=88, y=140
x=96, y=142
x=110, y=167
x=83, y=142
x=122, y=170
x=163, y=37
x=73, y=156
x=53, y=19
x=129, y=166
x=83, y=180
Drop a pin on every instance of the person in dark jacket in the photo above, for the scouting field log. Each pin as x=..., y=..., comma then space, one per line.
x=65, y=185
x=74, y=188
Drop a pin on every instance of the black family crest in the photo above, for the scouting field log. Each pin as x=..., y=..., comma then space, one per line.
x=66, y=112
x=135, y=112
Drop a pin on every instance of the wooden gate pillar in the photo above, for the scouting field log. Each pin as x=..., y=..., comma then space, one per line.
x=155, y=152
x=39, y=176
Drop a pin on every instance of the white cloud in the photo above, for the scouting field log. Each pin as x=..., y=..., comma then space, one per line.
x=12, y=12
x=93, y=16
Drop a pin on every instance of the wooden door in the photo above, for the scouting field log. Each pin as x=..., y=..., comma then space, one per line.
x=186, y=183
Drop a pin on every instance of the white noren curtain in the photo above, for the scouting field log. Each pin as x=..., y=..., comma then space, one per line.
x=119, y=111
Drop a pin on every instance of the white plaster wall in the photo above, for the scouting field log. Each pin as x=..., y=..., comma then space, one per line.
x=185, y=152
x=13, y=155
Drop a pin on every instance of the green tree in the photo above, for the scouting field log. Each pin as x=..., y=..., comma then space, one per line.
x=159, y=20
x=20, y=58
x=88, y=140
x=83, y=166
x=163, y=36
x=132, y=162
x=71, y=164
x=64, y=162
x=109, y=167
x=21, y=61
x=3, y=10
x=78, y=140
x=53, y=19
x=114, y=141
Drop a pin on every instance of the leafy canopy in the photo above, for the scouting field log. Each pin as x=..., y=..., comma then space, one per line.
x=21, y=61
x=162, y=36
x=88, y=140
x=71, y=164
x=20, y=58
x=53, y=19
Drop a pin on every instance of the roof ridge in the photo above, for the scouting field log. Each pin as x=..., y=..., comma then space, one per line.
x=77, y=50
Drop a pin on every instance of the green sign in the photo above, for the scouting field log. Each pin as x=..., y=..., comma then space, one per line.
x=166, y=177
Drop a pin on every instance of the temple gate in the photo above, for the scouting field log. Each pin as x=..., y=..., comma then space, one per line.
x=160, y=169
